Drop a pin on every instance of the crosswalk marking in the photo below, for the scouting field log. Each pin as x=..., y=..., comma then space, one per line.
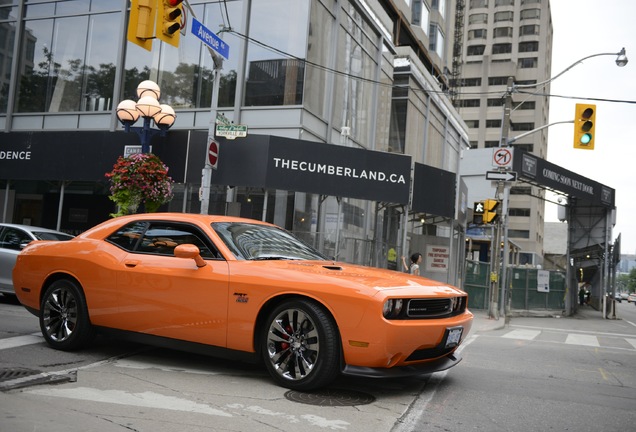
x=579, y=339
x=18, y=341
x=524, y=334
x=597, y=340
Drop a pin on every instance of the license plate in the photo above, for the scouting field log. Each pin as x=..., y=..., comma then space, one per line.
x=454, y=336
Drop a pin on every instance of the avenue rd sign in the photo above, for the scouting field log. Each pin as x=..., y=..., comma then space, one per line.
x=210, y=39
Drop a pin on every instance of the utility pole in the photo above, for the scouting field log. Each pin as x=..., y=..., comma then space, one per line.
x=505, y=131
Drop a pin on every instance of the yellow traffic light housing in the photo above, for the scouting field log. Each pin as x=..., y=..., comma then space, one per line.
x=170, y=16
x=141, y=24
x=490, y=211
x=584, y=125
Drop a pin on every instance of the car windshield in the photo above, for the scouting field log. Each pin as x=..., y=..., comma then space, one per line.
x=46, y=235
x=263, y=242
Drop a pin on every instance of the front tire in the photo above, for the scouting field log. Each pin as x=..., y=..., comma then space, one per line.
x=300, y=345
x=64, y=319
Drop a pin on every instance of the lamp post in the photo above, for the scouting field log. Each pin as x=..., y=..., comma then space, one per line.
x=621, y=60
x=149, y=108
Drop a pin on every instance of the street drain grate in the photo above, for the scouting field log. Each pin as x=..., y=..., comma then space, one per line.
x=10, y=374
x=16, y=378
x=330, y=397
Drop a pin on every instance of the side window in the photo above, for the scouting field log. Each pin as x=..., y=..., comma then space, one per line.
x=12, y=238
x=128, y=236
x=161, y=239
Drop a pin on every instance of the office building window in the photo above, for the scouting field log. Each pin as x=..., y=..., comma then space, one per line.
x=528, y=63
x=504, y=3
x=504, y=48
x=68, y=63
x=470, y=103
x=480, y=18
x=491, y=144
x=476, y=50
x=504, y=16
x=494, y=81
x=470, y=82
x=528, y=30
x=274, y=78
x=528, y=46
x=477, y=34
x=513, y=233
x=473, y=124
x=493, y=123
x=522, y=126
x=436, y=40
x=421, y=15
x=478, y=4
x=495, y=102
x=503, y=32
x=531, y=14
x=526, y=105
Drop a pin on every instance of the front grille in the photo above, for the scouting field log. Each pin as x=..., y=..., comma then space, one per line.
x=435, y=308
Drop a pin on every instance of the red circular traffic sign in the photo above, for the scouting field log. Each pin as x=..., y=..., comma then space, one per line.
x=213, y=153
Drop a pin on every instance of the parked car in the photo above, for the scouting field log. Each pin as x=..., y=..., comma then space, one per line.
x=13, y=238
x=631, y=298
x=243, y=289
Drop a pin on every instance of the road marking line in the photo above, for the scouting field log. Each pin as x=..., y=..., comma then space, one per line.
x=632, y=342
x=524, y=334
x=409, y=421
x=577, y=339
x=146, y=399
x=18, y=341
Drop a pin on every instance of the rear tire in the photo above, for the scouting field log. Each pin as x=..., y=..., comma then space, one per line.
x=301, y=345
x=64, y=319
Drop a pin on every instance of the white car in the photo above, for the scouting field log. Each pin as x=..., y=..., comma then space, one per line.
x=13, y=238
x=631, y=298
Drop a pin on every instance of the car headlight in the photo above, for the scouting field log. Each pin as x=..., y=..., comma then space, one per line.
x=392, y=308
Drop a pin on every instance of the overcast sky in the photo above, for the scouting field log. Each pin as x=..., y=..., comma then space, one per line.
x=583, y=28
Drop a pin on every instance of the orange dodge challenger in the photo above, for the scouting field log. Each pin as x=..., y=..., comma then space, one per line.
x=244, y=289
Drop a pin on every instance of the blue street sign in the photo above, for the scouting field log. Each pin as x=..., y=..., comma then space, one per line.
x=210, y=39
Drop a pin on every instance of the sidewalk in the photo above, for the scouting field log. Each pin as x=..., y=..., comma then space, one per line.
x=586, y=318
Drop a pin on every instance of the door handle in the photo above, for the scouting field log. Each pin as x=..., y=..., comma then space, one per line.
x=131, y=263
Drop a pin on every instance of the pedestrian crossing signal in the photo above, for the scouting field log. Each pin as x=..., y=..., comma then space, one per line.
x=485, y=212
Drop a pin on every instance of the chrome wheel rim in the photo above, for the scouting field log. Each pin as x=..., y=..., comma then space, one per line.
x=293, y=344
x=60, y=314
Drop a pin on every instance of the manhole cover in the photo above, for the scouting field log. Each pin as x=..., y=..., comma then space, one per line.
x=9, y=374
x=330, y=397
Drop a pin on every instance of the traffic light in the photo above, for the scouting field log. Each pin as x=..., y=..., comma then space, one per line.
x=584, y=122
x=170, y=16
x=141, y=24
x=490, y=211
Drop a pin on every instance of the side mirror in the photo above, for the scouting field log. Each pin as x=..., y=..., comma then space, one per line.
x=190, y=251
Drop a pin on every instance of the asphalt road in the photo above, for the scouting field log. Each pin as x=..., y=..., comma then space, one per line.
x=534, y=374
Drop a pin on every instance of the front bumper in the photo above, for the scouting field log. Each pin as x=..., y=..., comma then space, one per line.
x=437, y=365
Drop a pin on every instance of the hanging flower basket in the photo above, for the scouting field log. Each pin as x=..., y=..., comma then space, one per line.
x=139, y=179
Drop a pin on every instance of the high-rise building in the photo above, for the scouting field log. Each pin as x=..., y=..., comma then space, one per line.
x=502, y=39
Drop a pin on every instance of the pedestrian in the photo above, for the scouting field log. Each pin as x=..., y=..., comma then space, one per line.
x=582, y=295
x=414, y=268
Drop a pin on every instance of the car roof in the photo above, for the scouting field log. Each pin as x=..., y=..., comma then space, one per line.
x=31, y=228
x=203, y=219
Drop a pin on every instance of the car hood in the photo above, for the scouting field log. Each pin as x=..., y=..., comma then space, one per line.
x=357, y=277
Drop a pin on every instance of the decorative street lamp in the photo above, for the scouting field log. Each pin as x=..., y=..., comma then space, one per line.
x=148, y=107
